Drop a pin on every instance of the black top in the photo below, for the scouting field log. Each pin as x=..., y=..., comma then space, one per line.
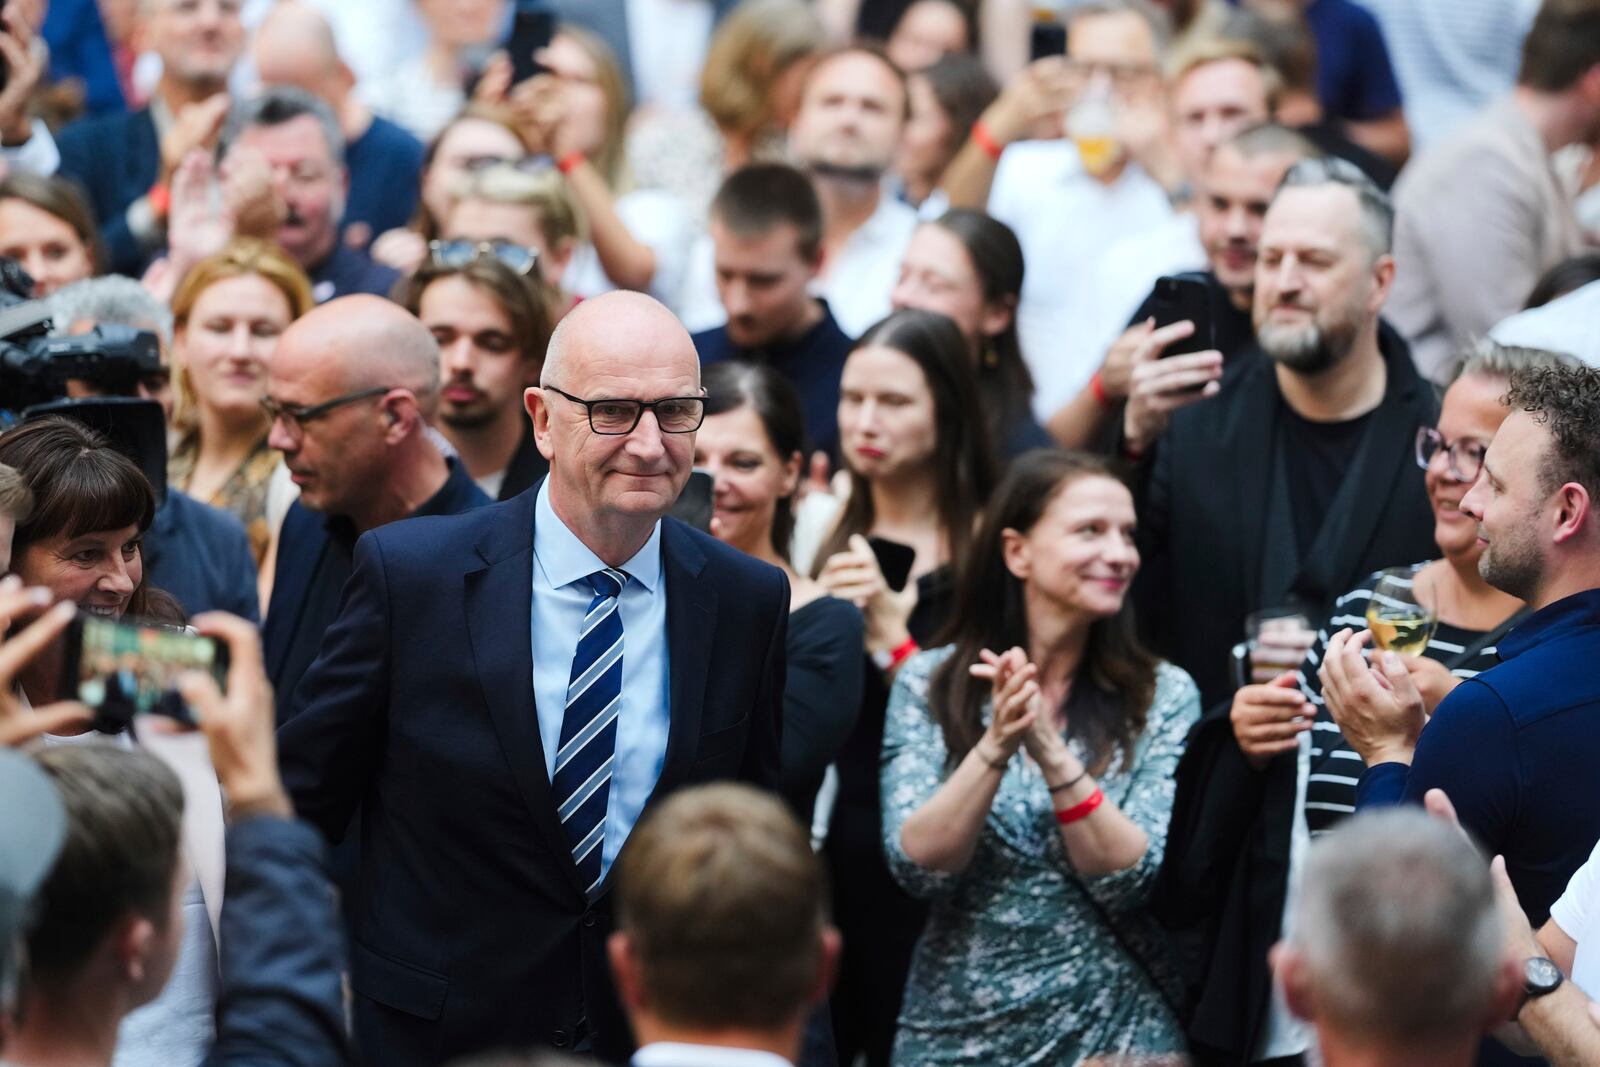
x=347, y=271
x=1317, y=456
x=821, y=694
x=1328, y=137
x=813, y=363
x=527, y=466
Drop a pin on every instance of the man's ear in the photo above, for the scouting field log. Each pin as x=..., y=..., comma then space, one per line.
x=131, y=943
x=1574, y=510
x=1507, y=999
x=533, y=402
x=625, y=971
x=1382, y=283
x=1289, y=970
x=827, y=965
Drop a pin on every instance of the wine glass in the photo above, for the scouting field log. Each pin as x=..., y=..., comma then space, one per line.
x=1403, y=611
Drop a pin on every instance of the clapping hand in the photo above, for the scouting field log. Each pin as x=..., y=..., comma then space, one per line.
x=1378, y=708
x=1016, y=699
x=19, y=723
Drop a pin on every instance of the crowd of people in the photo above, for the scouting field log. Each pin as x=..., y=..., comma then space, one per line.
x=873, y=533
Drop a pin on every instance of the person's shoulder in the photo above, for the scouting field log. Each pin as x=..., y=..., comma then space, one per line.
x=722, y=561
x=827, y=614
x=1176, y=692
x=102, y=130
x=212, y=525
x=426, y=536
x=391, y=137
x=712, y=345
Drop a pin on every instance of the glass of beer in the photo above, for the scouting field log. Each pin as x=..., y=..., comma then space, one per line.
x=1403, y=612
x=1276, y=640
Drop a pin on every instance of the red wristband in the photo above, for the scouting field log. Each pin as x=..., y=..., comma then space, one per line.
x=905, y=651
x=1098, y=389
x=1068, y=816
x=160, y=197
x=569, y=162
x=985, y=140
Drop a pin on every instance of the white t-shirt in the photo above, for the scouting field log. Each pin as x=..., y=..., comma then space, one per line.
x=655, y=218
x=859, y=280
x=1566, y=324
x=1578, y=907
x=667, y=43
x=1129, y=271
x=1066, y=220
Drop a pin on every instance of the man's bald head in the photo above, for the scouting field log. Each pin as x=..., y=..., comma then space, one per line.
x=295, y=45
x=619, y=321
x=364, y=342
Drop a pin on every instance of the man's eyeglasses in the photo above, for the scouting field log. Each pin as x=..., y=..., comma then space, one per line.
x=1464, y=455
x=295, y=416
x=1121, y=75
x=614, y=418
x=459, y=255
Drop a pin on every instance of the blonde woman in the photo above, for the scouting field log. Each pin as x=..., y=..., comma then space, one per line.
x=228, y=312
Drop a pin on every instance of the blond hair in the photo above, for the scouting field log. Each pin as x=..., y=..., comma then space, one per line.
x=240, y=257
x=609, y=161
x=1205, y=51
x=754, y=44
x=16, y=499
x=725, y=905
x=544, y=190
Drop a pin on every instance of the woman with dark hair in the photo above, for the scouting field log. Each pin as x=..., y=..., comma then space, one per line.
x=753, y=443
x=946, y=99
x=968, y=267
x=1038, y=948
x=46, y=226
x=920, y=468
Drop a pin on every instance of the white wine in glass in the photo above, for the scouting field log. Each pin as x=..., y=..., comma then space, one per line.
x=1401, y=615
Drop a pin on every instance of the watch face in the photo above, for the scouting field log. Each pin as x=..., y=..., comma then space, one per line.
x=1540, y=975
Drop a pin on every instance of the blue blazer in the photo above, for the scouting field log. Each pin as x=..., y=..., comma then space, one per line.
x=116, y=158
x=471, y=929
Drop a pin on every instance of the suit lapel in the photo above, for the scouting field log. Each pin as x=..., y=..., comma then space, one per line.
x=1254, y=427
x=498, y=602
x=691, y=615
x=300, y=549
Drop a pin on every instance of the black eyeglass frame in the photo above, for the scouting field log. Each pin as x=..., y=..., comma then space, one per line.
x=639, y=407
x=296, y=416
x=1430, y=442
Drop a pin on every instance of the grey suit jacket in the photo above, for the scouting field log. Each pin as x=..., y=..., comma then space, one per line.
x=609, y=19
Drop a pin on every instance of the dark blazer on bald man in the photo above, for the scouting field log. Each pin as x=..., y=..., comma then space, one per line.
x=471, y=929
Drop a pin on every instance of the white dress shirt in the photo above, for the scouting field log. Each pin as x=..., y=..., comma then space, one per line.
x=1066, y=220
x=677, y=1054
x=667, y=43
x=858, y=281
x=561, y=598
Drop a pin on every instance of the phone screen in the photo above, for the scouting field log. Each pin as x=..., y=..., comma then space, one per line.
x=1047, y=38
x=531, y=30
x=125, y=669
x=693, y=505
x=1180, y=298
x=894, y=560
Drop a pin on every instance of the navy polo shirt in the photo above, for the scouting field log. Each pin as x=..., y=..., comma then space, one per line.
x=1355, y=79
x=348, y=271
x=1515, y=749
x=385, y=165
x=813, y=363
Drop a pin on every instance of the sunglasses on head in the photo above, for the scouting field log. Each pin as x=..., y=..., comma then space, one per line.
x=460, y=254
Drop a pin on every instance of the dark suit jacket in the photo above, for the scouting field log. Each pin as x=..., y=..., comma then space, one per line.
x=201, y=555
x=116, y=158
x=1215, y=526
x=471, y=926
x=609, y=19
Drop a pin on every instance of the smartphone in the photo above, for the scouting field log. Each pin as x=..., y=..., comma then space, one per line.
x=531, y=30
x=125, y=669
x=894, y=560
x=693, y=505
x=1186, y=297
x=1047, y=38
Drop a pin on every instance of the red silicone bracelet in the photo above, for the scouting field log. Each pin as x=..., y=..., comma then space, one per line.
x=1068, y=816
x=985, y=140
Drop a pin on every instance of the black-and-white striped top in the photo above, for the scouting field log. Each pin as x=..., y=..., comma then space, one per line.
x=1335, y=767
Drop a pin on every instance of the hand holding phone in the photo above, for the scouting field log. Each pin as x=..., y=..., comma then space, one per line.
x=531, y=30
x=124, y=669
x=29, y=633
x=894, y=560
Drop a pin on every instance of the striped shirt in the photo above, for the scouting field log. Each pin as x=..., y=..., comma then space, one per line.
x=1335, y=766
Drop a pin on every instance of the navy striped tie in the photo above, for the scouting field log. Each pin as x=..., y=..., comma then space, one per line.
x=582, y=780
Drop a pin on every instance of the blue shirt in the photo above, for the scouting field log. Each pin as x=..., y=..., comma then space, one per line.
x=385, y=165
x=1515, y=749
x=561, y=598
x=1355, y=80
x=201, y=555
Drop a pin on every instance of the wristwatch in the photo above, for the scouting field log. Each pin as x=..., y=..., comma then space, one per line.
x=1540, y=978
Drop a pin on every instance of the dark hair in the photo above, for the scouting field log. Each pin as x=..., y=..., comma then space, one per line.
x=422, y=220
x=964, y=466
x=756, y=199
x=1562, y=45
x=80, y=484
x=124, y=813
x=277, y=105
x=63, y=198
x=1565, y=277
x=1005, y=387
x=1110, y=698
x=530, y=304
x=1565, y=401
x=734, y=384
x=1279, y=29
x=963, y=87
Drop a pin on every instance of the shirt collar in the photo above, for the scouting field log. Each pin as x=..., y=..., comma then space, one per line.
x=677, y=1054
x=1568, y=613
x=565, y=559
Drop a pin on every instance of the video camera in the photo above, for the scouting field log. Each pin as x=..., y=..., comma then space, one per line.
x=108, y=362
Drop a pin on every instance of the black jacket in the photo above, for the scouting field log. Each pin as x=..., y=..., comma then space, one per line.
x=1216, y=557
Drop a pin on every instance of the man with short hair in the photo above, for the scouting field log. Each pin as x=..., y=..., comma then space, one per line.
x=766, y=228
x=1395, y=951
x=853, y=112
x=300, y=139
x=351, y=388
x=108, y=918
x=125, y=161
x=1514, y=747
x=1484, y=213
x=553, y=665
x=491, y=325
x=294, y=45
x=723, y=943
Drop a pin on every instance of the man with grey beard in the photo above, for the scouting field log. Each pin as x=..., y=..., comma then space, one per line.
x=1298, y=478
